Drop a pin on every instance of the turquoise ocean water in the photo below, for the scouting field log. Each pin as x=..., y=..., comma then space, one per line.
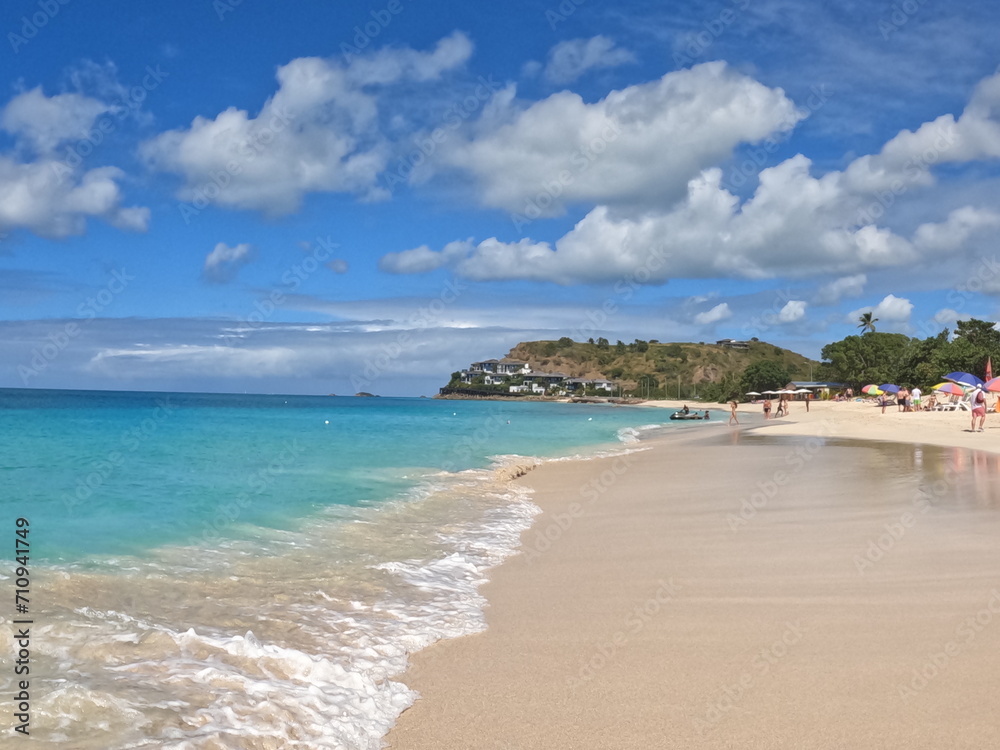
x=228, y=571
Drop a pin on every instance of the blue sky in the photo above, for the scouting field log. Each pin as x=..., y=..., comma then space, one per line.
x=325, y=198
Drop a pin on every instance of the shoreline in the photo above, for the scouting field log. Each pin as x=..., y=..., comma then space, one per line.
x=640, y=611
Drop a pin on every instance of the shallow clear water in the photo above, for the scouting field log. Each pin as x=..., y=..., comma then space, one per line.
x=224, y=571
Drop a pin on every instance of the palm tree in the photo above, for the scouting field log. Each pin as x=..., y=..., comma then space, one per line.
x=867, y=322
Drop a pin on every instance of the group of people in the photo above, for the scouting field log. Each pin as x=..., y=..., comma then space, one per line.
x=783, y=408
x=906, y=400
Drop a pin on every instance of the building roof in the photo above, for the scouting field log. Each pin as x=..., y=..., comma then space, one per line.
x=815, y=384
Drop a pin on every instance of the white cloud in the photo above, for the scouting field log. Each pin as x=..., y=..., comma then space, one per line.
x=46, y=121
x=224, y=262
x=891, y=309
x=637, y=147
x=716, y=314
x=572, y=58
x=422, y=259
x=319, y=132
x=794, y=224
x=845, y=286
x=49, y=199
x=45, y=195
x=948, y=317
x=794, y=310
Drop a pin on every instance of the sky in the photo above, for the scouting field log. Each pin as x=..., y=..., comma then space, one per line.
x=320, y=197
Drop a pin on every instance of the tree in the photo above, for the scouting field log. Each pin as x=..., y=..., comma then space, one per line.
x=870, y=358
x=867, y=322
x=602, y=343
x=763, y=376
x=565, y=342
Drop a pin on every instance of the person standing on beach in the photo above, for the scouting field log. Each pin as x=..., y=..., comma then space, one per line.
x=732, y=412
x=977, y=400
x=915, y=399
x=883, y=402
x=767, y=408
x=808, y=399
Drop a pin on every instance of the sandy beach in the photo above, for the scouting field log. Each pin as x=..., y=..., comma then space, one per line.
x=827, y=580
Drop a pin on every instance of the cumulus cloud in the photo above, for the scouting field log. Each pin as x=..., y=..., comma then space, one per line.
x=572, y=58
x=319, y=132
x=224, y=262
x=948, y=317
x=845, y=286
x=794, y=310
x=636, y=147
x=46, y=121
x=891, y=309
x=717, y=313
x=794, y=224
x=48, y=196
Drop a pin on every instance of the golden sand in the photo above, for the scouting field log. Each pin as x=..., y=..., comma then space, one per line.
x=780, y=587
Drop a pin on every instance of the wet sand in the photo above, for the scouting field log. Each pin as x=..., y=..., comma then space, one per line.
x=745, y=589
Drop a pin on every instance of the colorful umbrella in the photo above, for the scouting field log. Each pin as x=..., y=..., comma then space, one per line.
x=992, y=385
x=872, y=390
x=963, y=378
x=953, y=389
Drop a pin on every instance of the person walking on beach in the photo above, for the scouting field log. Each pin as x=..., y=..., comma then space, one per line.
x=767, y=408
x=732, y=412
x=808, y=399
x=977, y=400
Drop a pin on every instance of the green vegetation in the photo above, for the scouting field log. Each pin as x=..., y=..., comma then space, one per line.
x=894, y=358
x=649, y=369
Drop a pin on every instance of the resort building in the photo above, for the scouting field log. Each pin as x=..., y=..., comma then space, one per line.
x=733, y=344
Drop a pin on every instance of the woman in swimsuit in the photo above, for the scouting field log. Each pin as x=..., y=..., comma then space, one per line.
x=767, y=408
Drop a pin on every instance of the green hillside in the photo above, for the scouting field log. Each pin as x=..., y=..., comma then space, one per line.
x=655, y=370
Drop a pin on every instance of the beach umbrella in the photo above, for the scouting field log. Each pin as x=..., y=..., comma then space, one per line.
x=751, y=393
x=771, y=392
x=801, y=390
x=992, y=385
x=954, y=389
x=889, y=388
x=963, y=378
x=872, y=390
